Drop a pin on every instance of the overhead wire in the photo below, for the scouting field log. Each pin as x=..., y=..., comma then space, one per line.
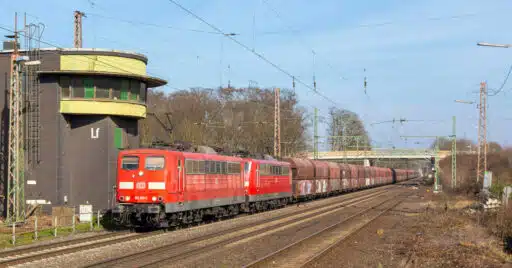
x=114, y=66
x=505, y=80
x=278, y=15
x=373, y=25
x=251, y=51
x=303, y=42
x=170, y=27
x=156, y=25
x=151, y=24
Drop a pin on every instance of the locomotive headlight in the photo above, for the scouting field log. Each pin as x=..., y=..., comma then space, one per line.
x=153, y=198
x=127, y=198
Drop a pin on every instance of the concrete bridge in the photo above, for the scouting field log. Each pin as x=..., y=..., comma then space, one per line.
x=380, y=154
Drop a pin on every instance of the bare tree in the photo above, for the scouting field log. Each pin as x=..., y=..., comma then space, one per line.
x=231, y=118
x=346, y=131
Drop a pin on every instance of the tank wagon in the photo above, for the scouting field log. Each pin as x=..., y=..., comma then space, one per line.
x=163, y=188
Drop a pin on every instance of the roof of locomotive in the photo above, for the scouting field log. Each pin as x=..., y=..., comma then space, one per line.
x=185, y=154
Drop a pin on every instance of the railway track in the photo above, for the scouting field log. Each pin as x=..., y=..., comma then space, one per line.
x=183, y=249
x=298, y=254
x=180, y=250
x=24, y=255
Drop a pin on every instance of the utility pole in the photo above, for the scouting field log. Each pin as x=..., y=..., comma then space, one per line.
x=315, y=122
x=78, y=28
x=482, y=134
x=15, y=174
x=454, y=152
x=277, y=123
x=315, y=135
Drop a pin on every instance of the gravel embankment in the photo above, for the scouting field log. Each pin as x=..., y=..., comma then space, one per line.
x=247, y=250
x=93, y=255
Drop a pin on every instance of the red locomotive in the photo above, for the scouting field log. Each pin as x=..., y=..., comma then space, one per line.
x=162, y=188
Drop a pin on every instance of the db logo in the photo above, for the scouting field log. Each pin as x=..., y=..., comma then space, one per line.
x=141, y=185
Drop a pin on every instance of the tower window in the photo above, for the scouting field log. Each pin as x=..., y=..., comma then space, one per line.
x=89, y=88
x=78, y=87
x=119, y=138
x=125, y=88
x=134, y=90
x=65, y=84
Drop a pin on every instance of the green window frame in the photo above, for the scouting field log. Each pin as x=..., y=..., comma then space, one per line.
x=125, y=89
x=89, y=88
x=118, y=138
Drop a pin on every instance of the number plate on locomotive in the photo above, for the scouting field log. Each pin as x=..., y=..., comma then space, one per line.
x=140, y=185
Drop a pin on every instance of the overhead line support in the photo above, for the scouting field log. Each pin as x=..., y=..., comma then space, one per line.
x=277, y=123
x=482, y=134
x=15, y=162
x=78, y=29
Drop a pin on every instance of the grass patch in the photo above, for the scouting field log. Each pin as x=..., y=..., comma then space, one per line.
x=27, y=238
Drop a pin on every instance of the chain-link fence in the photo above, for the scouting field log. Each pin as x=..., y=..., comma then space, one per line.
x=63, y=221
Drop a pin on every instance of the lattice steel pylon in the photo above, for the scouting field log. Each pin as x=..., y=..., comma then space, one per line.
x=78, y=29
x=15, y=163
x=482, y=134
x=277, y=122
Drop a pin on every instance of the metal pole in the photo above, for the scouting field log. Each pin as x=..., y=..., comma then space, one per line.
x=35, y=227
x=74, y=225
x=277, y=123
x=78, y=29
x=482, y=134
x=220, y=60
x=436, y=182
x=315, y=135
x=56, y=224
x=15, y=176
x=14, y=233
x=454, y=153
x=98, y=219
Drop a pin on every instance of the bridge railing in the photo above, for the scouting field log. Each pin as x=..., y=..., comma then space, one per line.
x=382, y=153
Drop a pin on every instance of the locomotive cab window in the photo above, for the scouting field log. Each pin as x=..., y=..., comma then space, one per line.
x=154, y=163
x=130, y=162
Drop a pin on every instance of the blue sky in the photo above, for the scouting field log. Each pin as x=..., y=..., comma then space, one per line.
x=419, y=56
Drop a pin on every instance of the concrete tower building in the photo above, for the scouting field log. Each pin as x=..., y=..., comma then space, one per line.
x=81, y=108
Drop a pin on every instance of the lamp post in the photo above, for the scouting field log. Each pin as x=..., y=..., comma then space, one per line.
x=465, y=102
x=484, y=44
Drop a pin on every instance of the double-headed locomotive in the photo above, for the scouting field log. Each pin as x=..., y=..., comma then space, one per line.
x=162, y=188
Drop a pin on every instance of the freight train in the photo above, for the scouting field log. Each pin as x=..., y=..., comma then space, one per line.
x=163, y=188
